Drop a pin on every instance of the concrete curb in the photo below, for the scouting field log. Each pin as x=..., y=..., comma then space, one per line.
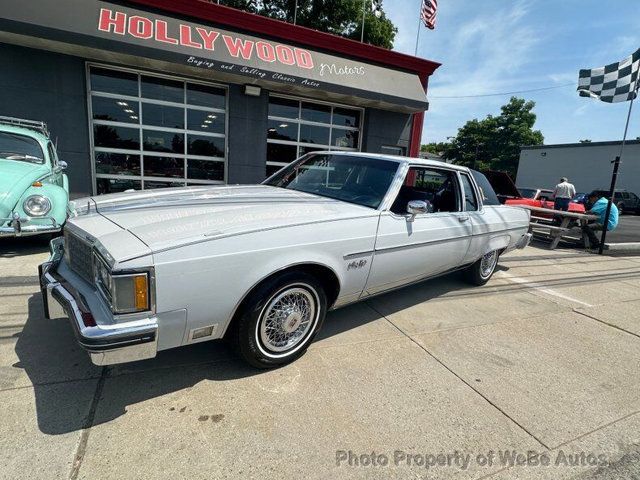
x=623, y=247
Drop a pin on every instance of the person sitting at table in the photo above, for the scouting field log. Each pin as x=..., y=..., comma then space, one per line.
x=599, y=208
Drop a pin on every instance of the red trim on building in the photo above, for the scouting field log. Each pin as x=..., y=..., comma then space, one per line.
x=416, y=127
x=232, y=17
x=416, y=134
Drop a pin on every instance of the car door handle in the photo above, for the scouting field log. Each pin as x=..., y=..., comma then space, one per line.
x=463, y=218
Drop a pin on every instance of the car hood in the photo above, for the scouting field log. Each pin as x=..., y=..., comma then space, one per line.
x=15, y=178
x=502, y=184
x=171, y=217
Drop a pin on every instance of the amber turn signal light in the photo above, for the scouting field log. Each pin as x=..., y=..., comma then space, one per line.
x=141, y=292
x=36, y=184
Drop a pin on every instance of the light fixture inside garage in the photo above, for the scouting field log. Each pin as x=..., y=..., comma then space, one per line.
x=252, y=90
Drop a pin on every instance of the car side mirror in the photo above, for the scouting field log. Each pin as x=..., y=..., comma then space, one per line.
x=62, y=164
x=416, y=207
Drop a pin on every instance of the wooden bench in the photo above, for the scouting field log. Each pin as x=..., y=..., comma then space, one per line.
x=554, y=231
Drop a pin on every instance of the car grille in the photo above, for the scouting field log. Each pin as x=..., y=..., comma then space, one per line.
x=79, y=256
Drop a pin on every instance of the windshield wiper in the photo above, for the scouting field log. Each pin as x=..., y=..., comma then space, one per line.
x=20, y=156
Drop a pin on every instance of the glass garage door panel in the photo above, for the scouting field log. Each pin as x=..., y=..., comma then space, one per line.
x=114, y=81
x=163, y=167
x=296, y=127
x=114, y=110
x=162, y=115
x=153, y=131
x=117, y=163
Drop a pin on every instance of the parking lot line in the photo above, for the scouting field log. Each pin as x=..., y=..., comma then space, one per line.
x=544, y=289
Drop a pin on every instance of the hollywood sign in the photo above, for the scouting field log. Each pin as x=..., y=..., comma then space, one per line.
x=200, y=38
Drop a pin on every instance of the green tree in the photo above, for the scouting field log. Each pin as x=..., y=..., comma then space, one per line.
x=494, y=142
x=248, y=5
x=437, y=148
x=340, y=17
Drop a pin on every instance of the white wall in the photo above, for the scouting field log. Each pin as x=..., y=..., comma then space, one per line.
x=587, y=166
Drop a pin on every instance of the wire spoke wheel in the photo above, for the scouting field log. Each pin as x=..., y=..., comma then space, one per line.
x=287, y=319
x=488, y=263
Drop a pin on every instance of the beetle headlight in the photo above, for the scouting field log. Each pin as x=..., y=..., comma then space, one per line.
x=36, y=205
x=126, y=292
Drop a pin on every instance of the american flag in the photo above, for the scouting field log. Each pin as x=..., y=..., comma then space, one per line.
x=428, y=13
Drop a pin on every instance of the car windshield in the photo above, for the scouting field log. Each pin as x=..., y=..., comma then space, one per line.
x=359, y=180
x=20, y=147
x=528, y=192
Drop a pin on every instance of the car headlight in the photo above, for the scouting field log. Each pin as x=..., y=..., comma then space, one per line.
x=126, y=292
x=36, y=205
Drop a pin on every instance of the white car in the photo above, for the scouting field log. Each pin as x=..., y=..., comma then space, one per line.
x=261, y=265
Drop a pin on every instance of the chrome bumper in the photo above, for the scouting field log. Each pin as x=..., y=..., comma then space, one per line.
x=17, y=228
x=106, y=344
x=524, y=241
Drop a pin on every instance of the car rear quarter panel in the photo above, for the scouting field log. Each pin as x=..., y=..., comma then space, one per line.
x=497, y=228
x=212, y=277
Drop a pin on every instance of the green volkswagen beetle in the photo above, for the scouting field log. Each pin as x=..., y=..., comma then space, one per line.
x=34, y=191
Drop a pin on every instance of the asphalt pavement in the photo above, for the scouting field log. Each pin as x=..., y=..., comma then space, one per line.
x=628, y=230
x=533, y=376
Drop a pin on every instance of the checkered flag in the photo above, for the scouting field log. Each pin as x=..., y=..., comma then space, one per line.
x=613, y=83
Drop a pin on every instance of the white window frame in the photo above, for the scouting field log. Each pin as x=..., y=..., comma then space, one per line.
x=141, y=127
x=299, y=121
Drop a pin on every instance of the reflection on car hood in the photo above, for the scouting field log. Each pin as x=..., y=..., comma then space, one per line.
x=171, y=217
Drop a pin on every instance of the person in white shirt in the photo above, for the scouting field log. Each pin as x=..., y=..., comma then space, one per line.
x=563, y=194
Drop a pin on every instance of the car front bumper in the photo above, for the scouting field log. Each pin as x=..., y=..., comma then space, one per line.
x=21, y=226
x=106, y=343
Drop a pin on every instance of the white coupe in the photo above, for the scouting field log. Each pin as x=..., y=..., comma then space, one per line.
x=261, y=265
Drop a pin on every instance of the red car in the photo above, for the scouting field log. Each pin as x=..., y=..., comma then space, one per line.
x=535, y=197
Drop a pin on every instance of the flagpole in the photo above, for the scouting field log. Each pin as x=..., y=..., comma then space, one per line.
x=415, y=53
x=364, y=11
x=295, y=13
x=616, y=166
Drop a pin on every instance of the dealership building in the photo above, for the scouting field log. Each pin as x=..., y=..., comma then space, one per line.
x=154, y=93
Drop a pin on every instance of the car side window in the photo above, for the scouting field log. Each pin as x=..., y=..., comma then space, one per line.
x=52, y=154
x=433, y=185
x=470, y=200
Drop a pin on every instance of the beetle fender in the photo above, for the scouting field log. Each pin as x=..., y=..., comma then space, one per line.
x=58, y=197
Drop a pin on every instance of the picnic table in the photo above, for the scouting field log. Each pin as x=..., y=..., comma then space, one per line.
x=555, y=230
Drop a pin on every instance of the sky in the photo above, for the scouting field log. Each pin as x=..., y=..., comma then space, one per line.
x=495, y=46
